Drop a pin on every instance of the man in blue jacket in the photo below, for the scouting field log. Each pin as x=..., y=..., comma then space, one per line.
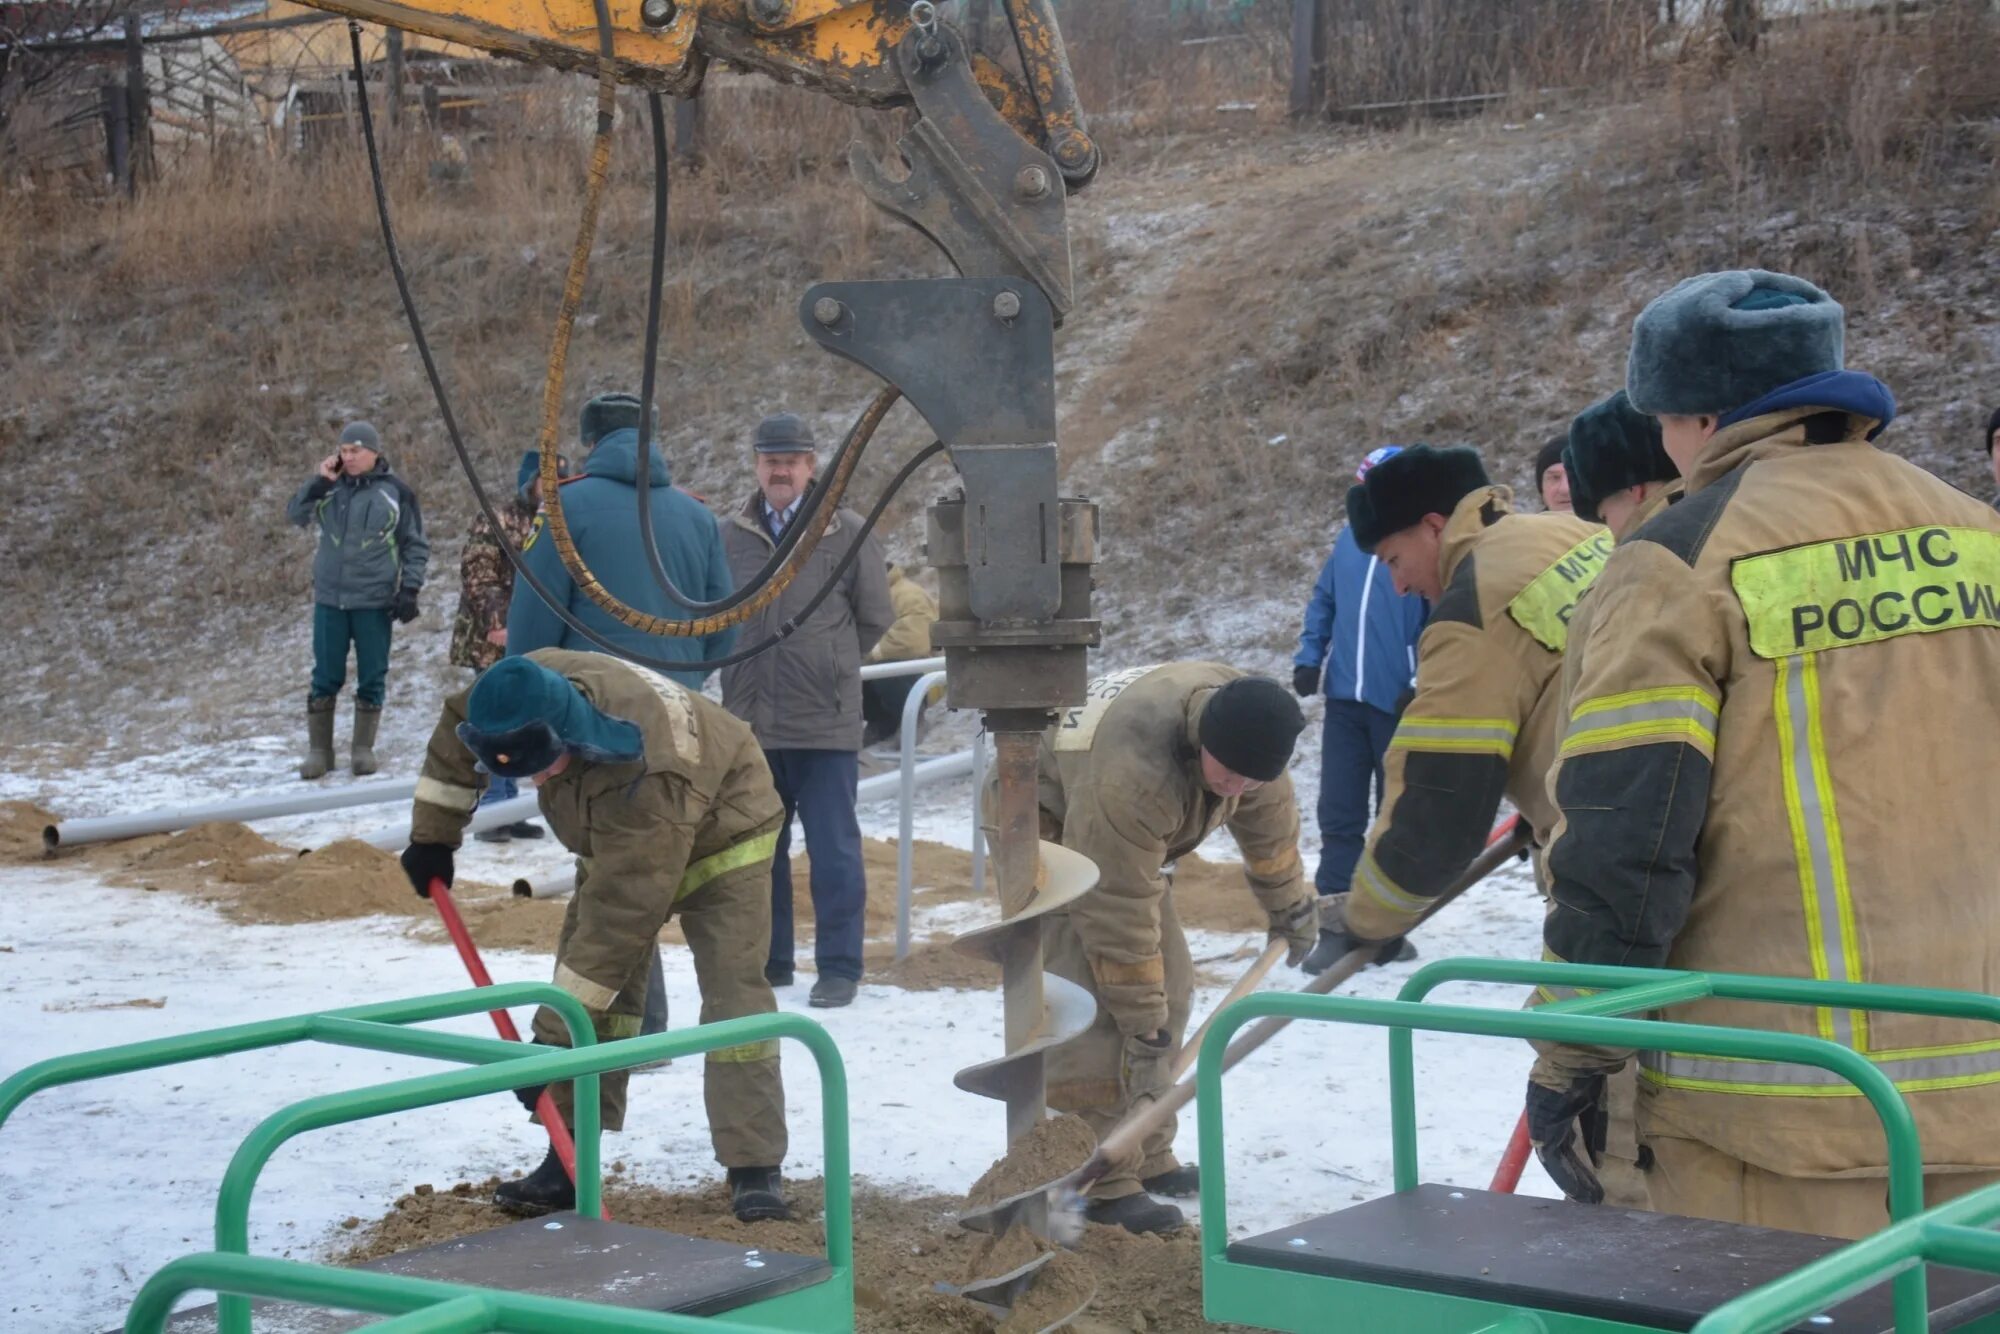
x=603, y=516
x=1359, y=644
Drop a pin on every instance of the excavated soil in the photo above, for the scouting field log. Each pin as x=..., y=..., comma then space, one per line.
x=1055, y=1148
x=21, y=825
x=904, y=1247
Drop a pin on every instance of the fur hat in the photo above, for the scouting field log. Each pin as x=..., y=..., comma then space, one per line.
x=1399, y=491
x=1613, y=445
x=1718, y=340
x=1251, y=725
x=616, y=411
x=521, y=717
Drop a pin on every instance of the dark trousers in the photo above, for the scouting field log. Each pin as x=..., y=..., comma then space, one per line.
x=368, y=631
x=882, y=708
x=818, y=785
x=1353, y=740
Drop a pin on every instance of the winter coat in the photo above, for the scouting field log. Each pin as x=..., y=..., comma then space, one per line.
x=486, y=584
x=805, y=693
x=1483, y=723
x=601, y=510
x=1774, y=762
x=910, y=635
x=1359, y=630
x=1120, y=782
x=371, y=537
x=655, y=830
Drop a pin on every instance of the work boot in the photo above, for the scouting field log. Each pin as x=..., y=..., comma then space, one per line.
x=778, y=977
x=831, y=993
x=757, y=1194
x=1183, y=1182
x=503, y=833
x=1138, y=1213
x=545, y=1190
x=525, y=829
x=367, y=717
x=319, y=738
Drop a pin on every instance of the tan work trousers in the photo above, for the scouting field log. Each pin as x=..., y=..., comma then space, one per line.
x=1087, y=1074
x=1689, y=1178
x=727, y=923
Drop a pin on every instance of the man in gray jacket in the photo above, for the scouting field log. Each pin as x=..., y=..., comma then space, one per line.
x=369, y=566
x=803, y=701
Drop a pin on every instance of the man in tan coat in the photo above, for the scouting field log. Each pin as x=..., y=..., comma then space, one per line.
x=907, y=638
x=668, y=804
x=1155, y=761
x=1482, y=725
x=1765, y=771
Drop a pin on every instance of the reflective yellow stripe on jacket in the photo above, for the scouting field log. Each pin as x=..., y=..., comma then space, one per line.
x=760, y=848
x=1641, y=717
x=1483, y=736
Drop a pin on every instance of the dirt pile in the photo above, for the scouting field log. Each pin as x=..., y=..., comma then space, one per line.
x=347, y=878
x=1055, y=1148
x=904, y=1247
x=21, y=825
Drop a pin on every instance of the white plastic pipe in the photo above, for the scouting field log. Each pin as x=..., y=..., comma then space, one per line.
x=906, y=792
x=514, y=809
x=257, y=806
x=875, y=671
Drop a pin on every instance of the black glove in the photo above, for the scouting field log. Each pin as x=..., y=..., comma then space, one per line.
x=405, y=609
x=1554, y=1117
x=425, y=862
x=1305, y=682
x=1336, y=942
x=532, y=1094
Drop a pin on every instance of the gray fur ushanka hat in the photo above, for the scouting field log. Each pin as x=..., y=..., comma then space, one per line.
x=1716, y=341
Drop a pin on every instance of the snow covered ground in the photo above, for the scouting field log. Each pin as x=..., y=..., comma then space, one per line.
x=102, y=1183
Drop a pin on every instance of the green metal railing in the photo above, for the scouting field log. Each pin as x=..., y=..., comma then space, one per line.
x=1550, y=1023
x=416, y=1305
x=1951, y=1234
x=232, y=1208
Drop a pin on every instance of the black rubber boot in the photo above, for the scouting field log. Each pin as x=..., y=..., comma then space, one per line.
x=1135, y=1213
x=1182, y=1183
x=757, y=1194
x=545, y=1190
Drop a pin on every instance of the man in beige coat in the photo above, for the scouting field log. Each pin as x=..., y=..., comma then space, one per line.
x=1153, y=763
x=667, y=802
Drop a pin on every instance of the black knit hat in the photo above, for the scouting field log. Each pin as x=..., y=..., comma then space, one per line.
x=1992, y=425
x=1548, y=457
x=1250, y=725
x=1613, y=445
x=1400, y=491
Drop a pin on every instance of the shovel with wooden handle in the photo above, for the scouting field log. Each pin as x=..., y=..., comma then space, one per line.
x=1063, y=1197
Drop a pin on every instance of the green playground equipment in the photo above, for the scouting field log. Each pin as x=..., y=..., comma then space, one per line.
x=1433, y=1259
x=760, y=1290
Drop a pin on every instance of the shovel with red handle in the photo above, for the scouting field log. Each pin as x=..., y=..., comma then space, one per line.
x=454, y=925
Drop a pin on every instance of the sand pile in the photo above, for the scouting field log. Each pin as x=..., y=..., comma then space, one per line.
x=1055, y=1148
x=343, y=879
x=21, y=825
x=903, y=1247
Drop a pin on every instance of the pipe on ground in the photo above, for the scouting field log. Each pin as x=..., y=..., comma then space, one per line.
x=258, y=806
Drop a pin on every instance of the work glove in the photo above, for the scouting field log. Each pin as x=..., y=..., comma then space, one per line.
x=1145, y=1065
x=1305, y=682
x=425, y=862
x=405, y=609
x=1336, y=942
x=1555, y=1118
x=1298, y=927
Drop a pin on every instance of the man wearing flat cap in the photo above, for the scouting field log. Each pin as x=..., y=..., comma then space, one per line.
x=1482, y=725
x=1155, y=761
x=667, y=803
x=803, y=698
x=1764, y=772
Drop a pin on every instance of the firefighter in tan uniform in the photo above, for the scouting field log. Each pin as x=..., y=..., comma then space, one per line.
x=668, y=804
x=1153, y=763
x=1503, y=587
x=1620, y=476
x=1776, y=709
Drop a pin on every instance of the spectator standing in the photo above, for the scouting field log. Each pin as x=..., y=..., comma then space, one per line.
x=603, y=517
x=908, y=639
x=803, y=701
x=1552, y=477
x=485, y=586
x=1993, y=454
x=367, y=571
x=1359, y=648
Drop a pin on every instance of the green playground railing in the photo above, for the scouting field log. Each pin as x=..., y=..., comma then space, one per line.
x=232, y=1208
x=1951, y=1234
x=416, y=1305
x=1645, y=988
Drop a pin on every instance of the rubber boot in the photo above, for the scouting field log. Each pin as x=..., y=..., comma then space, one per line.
x=1139, y=1213
x=319, y=738
x=1182, y=1183
x=545, y=1190
x=757, y=1194
x=366, y=719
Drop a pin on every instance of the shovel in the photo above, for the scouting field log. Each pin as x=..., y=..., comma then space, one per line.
x=1063, y=1197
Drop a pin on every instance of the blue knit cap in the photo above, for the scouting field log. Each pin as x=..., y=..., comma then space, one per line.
x=1717, y=341
x=531, y=469
x=522, y=717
